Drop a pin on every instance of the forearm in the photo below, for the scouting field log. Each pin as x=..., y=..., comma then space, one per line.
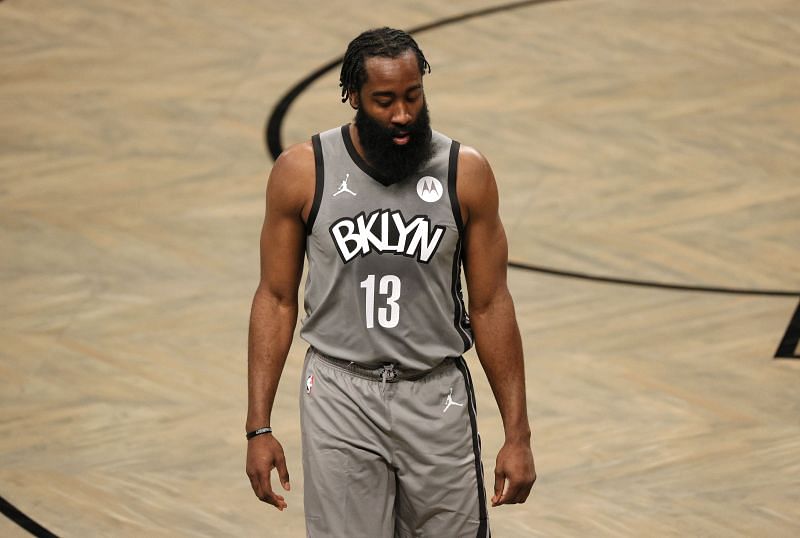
x=499, y=347
x=272, y=323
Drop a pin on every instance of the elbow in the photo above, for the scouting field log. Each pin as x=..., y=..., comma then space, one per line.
x=496, y=302
x=271, y=297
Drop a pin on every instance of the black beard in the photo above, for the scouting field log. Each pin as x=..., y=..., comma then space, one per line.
x=394, y=162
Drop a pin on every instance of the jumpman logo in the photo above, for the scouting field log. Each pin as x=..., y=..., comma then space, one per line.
x=343, y=187
x=450, y=401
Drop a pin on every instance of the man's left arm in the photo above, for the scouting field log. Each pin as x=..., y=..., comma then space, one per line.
x=494, y=324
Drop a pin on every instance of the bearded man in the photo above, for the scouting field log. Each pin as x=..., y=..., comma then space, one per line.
x=387, y=211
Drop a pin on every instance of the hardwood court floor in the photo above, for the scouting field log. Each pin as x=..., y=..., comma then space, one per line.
x=642, y=140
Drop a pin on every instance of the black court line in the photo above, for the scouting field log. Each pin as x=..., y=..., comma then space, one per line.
x=15, y=515
x=273, y=142
x=653, y=284
x=272, y=133
x=787, y=349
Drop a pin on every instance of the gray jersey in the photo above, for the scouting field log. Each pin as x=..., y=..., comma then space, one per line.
x=384, y=261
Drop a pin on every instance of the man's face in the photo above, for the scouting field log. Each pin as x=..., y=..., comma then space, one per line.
x=392, y=117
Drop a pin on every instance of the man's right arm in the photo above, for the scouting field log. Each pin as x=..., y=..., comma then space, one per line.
x=290, y=191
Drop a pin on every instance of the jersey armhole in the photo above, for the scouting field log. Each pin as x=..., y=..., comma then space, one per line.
x=319, y=169
x=460, y=316
x=452, y=174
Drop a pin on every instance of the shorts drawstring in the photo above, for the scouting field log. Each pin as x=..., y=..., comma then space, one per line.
x=388, y=373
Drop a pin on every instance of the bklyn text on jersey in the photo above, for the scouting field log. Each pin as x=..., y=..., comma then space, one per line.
x=385, y=231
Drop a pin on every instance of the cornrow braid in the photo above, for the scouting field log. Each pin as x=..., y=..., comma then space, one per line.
x=386, y=42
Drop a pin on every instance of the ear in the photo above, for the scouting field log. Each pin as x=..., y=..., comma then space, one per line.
x=354, y=100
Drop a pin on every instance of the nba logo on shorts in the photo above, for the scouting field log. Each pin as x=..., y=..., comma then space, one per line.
x=309, y=384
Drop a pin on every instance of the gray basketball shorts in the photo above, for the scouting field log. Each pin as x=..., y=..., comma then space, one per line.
x=388, y=454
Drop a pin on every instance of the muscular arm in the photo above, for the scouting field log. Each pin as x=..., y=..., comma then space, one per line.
x=274, y=311
x=494, y=324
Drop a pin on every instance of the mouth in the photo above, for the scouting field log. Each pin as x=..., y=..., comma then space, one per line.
x=401, y=139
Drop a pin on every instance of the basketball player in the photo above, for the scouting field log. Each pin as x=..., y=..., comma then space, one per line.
x=386, y=211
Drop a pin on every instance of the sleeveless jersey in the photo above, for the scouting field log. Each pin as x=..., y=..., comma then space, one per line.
x=384, y=260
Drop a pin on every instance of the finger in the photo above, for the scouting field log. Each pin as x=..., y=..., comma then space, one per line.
x=525, y=493
x=518, y=493
x=269, y=496
x=499, y=485
x=283, y=473
x=509, y=492
x=255, y=485
x=514, y=493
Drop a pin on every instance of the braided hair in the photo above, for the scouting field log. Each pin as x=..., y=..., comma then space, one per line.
x=386, y=42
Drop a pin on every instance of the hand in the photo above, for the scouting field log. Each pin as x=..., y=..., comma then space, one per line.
x=265, y=453
x=514, y=474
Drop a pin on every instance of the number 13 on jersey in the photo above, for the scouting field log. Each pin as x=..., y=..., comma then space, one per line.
x=388, y=287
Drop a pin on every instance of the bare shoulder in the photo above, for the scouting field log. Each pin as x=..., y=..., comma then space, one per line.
x=292, y=179
x=294, y=165
x=476, y=186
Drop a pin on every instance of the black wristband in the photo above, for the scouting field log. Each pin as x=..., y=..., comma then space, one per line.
x=259, y=431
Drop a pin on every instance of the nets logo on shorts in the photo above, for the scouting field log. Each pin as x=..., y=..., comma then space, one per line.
x=430, y=189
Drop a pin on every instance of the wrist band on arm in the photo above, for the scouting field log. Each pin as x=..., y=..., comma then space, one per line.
x=259, y=431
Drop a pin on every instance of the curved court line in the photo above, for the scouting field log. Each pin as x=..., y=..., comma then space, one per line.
x=273, y=141
x=651, y=283
x=272, y=133
x=15, y=515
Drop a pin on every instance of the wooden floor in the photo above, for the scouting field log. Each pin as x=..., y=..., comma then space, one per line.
x=642, y=140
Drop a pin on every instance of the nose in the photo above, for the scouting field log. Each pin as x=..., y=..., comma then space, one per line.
x=401, y=115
